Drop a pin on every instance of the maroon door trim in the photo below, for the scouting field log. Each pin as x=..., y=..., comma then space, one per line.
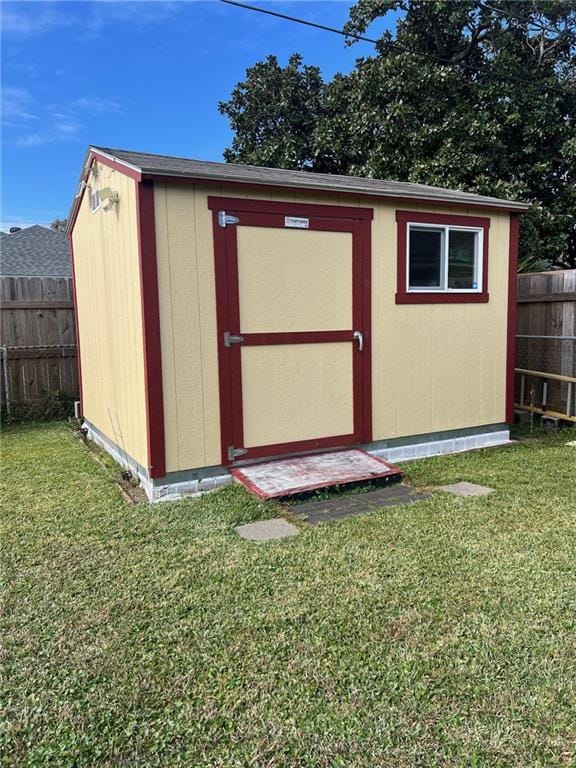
x=362, y=243
x=301, y=446
x=295, y=337
x=248, y=205
x=221, y=237
x=266, y=213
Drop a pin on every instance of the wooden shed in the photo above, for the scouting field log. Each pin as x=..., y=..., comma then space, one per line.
x=228, y=313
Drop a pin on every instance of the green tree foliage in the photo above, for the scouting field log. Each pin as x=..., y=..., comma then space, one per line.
x=274, y=114
x=474, y=95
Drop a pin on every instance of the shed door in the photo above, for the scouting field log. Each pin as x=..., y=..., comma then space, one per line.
x=292, y=293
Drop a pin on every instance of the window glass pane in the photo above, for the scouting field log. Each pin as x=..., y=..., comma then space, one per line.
x=462, y=271
x=426, y=248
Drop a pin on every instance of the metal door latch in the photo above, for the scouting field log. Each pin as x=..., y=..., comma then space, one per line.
x=225, y=218
x=359, y=337
x=230, y=338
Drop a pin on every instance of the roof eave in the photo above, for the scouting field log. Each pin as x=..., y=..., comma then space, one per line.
x=505, y=205
x=77, y=199
x=116, y=162
x=139, y=172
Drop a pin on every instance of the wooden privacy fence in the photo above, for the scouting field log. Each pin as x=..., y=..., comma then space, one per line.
x=38, y=340
x=546, y=344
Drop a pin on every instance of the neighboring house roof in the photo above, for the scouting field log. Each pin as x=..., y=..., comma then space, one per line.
x=34, y=252
x=164, y=165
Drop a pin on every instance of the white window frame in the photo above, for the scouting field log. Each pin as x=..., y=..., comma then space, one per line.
x=446, y=228
x=94, y=193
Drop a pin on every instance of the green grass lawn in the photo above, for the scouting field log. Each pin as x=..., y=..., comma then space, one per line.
x=437, y=634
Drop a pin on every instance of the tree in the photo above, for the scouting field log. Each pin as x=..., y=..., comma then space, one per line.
x=473, y=95
x=59, y=225
x=274, y=114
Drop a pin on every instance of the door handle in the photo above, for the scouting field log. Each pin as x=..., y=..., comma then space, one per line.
x=359, y=337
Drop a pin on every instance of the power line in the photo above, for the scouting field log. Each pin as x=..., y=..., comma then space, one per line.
x=301, y=21
x=420, y=54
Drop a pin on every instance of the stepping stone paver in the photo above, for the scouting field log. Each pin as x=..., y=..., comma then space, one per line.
x=267, y=530
x=339, y=507
x=466, y=489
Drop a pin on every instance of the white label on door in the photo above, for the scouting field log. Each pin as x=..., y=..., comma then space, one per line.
x=296, y=221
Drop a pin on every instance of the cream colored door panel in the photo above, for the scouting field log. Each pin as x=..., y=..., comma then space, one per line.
x=294, y=280
x=296, y=392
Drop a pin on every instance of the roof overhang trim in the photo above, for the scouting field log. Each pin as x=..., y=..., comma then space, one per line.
x=196, y=178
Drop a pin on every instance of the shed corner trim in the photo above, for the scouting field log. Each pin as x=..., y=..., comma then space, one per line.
x=155, y=433
x=513, y=243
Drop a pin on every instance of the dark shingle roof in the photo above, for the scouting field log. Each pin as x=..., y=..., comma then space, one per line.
x=164, y=165
x=34, y=252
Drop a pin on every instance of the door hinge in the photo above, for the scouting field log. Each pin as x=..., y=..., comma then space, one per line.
x=225, y=218
x=233, y=453
x=230, y=338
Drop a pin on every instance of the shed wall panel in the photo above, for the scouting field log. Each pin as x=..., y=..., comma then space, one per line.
x=106, y=259
x=435, y=367
x=187, y=298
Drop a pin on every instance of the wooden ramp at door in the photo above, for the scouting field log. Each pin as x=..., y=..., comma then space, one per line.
x=299, y=474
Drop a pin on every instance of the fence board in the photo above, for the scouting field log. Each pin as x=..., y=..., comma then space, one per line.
x=37, y=330
x=546, y=334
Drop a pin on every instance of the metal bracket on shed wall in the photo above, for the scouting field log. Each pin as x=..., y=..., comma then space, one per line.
x=233, y=453
x=225, y=218
x=230, y=338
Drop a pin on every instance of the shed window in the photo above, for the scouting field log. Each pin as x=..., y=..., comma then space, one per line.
x=94, y=199
x=441, y=258
x=444, y=258
x=426, y=256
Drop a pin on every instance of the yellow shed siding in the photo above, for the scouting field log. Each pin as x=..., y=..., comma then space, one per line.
x=186, y=291
x=435, y=367
x=106, y=264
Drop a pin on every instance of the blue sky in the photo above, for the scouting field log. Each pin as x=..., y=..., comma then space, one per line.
x=137, y=75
